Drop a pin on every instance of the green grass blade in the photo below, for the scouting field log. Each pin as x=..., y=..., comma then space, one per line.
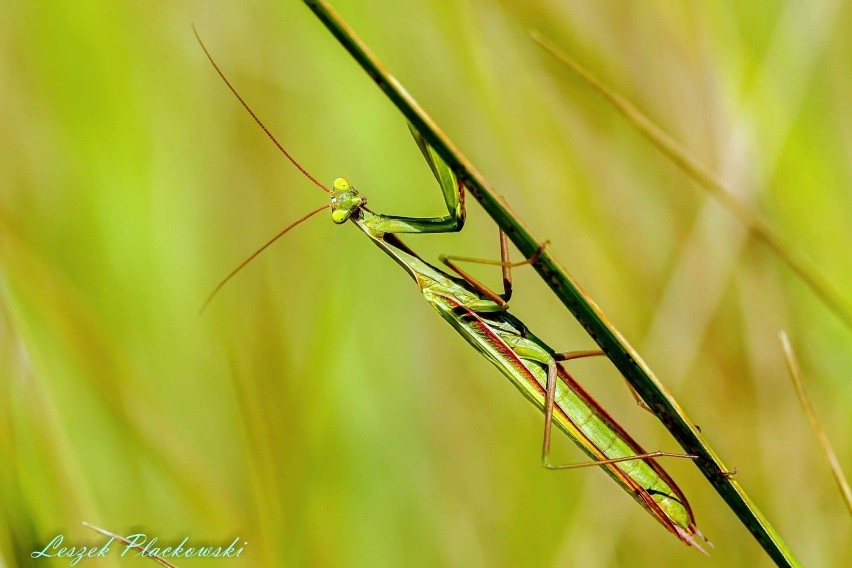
x=619, y=351
x=810, y=413
x=801, y=265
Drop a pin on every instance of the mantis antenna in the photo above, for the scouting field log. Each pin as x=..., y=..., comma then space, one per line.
x=255, y=117
x=255, y=254
x=283, y=151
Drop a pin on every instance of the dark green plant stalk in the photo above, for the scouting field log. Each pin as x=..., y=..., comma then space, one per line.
x=623, y=356
x=801, y=265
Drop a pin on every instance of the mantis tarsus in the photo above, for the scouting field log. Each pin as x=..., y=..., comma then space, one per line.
x=481, y=316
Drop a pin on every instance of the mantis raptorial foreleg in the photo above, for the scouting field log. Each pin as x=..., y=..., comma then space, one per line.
x=452, y=190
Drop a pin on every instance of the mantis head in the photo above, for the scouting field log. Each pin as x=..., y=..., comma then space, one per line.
x=345, y=201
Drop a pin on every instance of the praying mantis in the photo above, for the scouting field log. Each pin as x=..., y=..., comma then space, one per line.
x=481, y=316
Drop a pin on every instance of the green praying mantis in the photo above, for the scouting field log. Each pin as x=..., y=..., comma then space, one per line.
x=480, y=315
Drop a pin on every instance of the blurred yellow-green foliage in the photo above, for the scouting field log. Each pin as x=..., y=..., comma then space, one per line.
x=319, y=410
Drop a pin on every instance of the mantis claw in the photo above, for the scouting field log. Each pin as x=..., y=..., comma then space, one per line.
x=537, y=254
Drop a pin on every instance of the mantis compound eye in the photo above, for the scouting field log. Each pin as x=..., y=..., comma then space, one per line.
x=342, y=184
x=340, y=215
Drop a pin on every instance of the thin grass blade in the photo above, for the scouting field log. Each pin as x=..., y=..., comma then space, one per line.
x=810, y=413
x=801, y=265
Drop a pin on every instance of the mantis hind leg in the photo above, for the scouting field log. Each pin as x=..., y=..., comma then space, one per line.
x=569, y=355
x=549, y=405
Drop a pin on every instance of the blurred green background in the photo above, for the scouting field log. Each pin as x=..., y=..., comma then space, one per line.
x=319, y=409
